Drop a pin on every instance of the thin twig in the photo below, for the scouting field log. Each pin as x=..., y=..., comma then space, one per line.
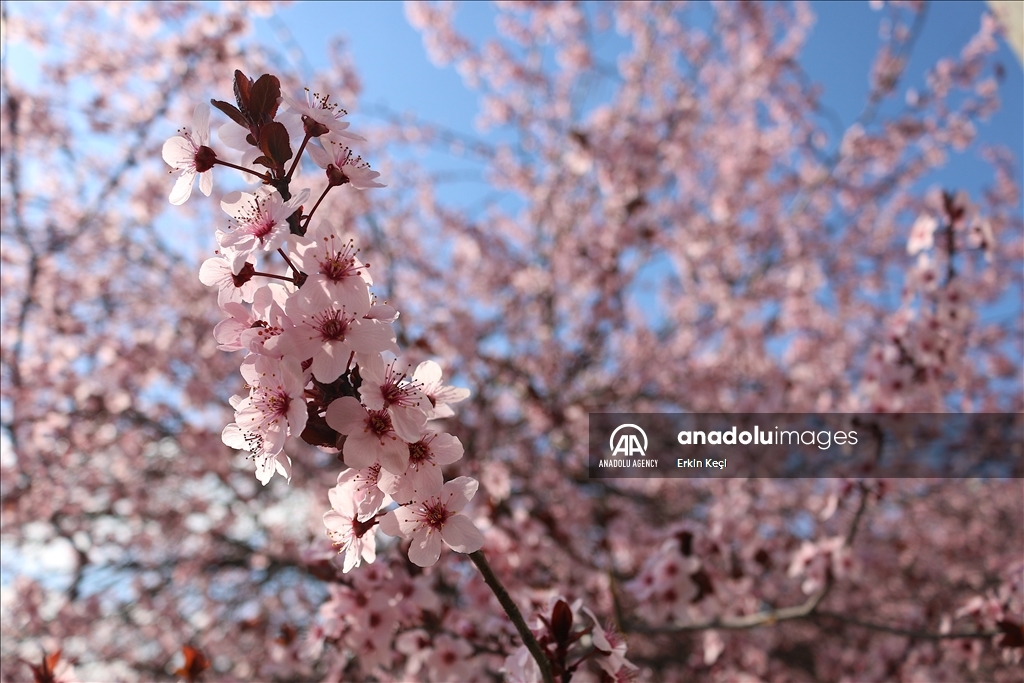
x=289, y=262
x=910, y=633
x=251, y=171
x=275, y=275
x=298, y=156
x=309, y=216
x=514, y=614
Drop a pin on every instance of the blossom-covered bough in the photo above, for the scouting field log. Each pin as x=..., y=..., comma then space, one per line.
x=680, y=135
x=321, y=362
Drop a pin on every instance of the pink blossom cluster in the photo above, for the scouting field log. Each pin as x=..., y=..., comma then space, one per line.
x=926, y=336
x=322, y=364
x=321, y=359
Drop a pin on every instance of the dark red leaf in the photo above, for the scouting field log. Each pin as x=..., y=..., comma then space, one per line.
x=274, y=142
x=263, y=98
x=243, y=87
x=231, y=111
x=264, y=161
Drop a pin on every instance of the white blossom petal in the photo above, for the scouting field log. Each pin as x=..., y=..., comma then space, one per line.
x=182, y=189
x=425, y=549
x=461, y=535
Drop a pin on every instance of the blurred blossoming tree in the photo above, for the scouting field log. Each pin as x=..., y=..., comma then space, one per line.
x=700, y=237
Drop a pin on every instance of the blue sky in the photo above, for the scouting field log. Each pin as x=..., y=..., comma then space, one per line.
x=396, y=72
x=397, y=75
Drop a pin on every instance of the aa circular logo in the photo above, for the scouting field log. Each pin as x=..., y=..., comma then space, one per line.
x=628, y=440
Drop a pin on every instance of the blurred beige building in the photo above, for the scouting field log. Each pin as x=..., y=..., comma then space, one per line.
x=1011, y=15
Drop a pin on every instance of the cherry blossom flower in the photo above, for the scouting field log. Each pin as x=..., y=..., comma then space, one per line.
x=415, y=645
x=330, y=336
x=373, y=626
x=370, y=436
x=981, y=236
x=263, y=335
x=361, y=486
x=449, y=660
x=665, y=583
x=610, y=643
x=428, y=377
x=350, y=529
x=228, y=332
x=253, y=328
x=216, y=272
x=275, y=405
x=189, y=152
x=258, y=222
x=384, y=388
x=435, y=519
x=336, y=276
x=267, y=465
x=320, y=109
x=423, y=474
x=342, y=168
x=922, y=235
x=521, y=667
x=952, y=309
x=386, y=313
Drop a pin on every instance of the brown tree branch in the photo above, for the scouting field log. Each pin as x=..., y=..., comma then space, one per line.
x=514, y=614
